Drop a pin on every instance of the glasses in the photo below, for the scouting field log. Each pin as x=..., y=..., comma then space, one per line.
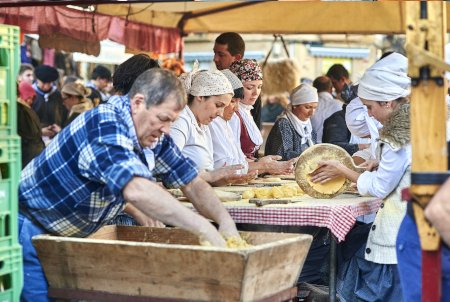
x=65, y=97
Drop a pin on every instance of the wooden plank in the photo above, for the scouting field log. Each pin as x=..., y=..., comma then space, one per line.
x=90, y=295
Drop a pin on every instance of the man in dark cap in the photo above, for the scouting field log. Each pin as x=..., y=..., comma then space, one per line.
x=100, y=78
x=48, y=103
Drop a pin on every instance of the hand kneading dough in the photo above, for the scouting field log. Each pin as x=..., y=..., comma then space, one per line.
x=329, y=187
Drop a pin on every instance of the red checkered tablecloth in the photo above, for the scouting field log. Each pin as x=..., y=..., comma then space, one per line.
x=337, y=214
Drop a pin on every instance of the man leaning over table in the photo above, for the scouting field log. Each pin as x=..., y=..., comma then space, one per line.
x=100, y=163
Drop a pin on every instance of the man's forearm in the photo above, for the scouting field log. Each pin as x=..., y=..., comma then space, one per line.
x=153, y=201
x=206, y=201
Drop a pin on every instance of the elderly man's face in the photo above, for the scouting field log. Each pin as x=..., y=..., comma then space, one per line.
x=151, y=123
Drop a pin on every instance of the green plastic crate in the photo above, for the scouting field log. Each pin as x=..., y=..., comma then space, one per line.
x=10, y=150
x=10, y=259
x=9, y=235
x=9, y=68
x=10, y=168
x=11, y=285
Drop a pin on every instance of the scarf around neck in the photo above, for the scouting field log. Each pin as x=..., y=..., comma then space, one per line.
x=303, y=128
x=252, y=129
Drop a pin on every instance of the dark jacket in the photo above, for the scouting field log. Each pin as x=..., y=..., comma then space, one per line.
x=335, y=132
x=50, y=110
x=283, y=140
x=29, y=130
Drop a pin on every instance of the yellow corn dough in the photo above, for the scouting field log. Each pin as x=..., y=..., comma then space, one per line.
x=263, y=193
x=277, y=192
x=237, y=243
x=248, y=194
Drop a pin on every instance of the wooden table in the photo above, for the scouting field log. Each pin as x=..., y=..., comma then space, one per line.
x=337, y=214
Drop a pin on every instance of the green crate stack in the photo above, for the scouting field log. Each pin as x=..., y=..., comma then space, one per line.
x=10, y=166
x=9, y=68
x=10, y=274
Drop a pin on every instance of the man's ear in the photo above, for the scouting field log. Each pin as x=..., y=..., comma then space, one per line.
x=238, y=57
x=137, y=102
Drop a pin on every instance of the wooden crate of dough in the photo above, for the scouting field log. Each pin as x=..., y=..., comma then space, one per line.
x=170, y=263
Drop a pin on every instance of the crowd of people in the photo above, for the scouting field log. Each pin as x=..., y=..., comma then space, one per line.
x=90, y=160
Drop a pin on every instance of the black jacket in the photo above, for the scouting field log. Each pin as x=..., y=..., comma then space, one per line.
x=335, y=132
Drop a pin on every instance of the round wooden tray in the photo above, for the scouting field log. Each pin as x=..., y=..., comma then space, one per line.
x=317, y=153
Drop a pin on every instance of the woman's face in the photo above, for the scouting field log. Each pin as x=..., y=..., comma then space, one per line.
x=229, y=110
x=208, y=108
x=305, y=111
x=69, y=100
x=379, y=110
x=252, y=90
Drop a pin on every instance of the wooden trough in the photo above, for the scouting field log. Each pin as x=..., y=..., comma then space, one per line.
x=169, y=263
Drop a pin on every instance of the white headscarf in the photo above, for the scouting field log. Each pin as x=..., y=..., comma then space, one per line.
x=302, y=94
x=206, y=83
x=234, y=80
x=386, y=80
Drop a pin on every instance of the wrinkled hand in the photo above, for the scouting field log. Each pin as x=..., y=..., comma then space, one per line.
x=209, y=235
x=241, y=178
x=281, y=167
x=370, y=165
x=269, y=158
x=326, y=171
x=224, y=172
x=229, y=230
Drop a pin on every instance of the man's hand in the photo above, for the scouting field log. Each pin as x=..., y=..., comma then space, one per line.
x=229, y=230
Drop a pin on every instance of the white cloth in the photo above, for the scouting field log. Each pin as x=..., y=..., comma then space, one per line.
x=361, y=124
x=247, y=118
x=392, y=176
x=227, y=151
x=234, y=80
x=386, y=80
x=206, y=83
x=303, y=94
x=303, y=128
x=327, y=106
x=193, y=140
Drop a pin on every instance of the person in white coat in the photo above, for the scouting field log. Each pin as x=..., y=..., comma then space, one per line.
x=372, y=274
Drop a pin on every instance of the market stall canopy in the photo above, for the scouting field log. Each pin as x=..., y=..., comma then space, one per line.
x=159, y=26
x=283, y=17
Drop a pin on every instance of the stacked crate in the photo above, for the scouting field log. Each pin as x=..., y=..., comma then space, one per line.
x=11, y=278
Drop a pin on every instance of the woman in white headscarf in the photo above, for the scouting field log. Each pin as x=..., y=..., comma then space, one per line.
x=371, y=274
x=209, y=92
x=292, y=132
x=227, y=150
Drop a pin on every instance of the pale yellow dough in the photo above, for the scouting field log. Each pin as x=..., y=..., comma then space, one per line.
x=329, y=187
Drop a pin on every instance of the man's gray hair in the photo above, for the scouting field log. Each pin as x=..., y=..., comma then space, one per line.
x=157, y=86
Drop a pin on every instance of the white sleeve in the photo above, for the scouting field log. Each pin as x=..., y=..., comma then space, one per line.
x=235, y=124
x=382, y=182
x=179, y=132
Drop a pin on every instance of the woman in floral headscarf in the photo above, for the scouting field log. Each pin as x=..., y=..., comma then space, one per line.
x=242, y=123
